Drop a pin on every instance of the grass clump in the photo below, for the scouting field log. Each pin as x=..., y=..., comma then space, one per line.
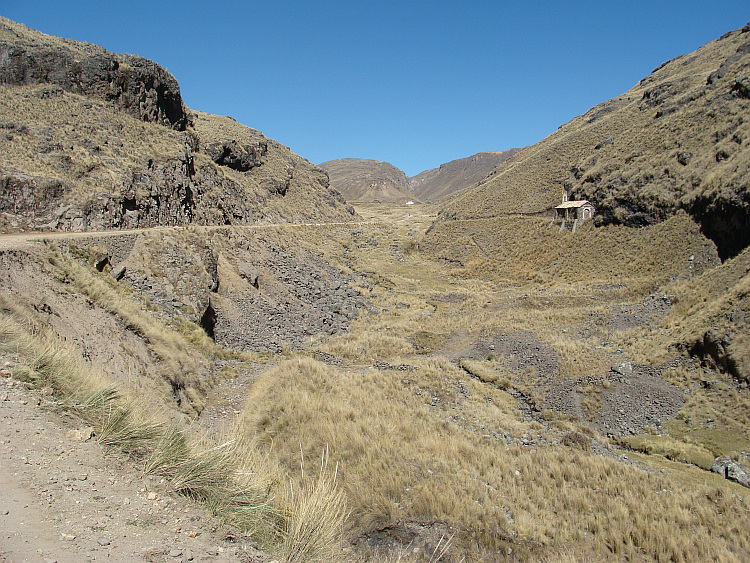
x=315, y=514
x=670, y=448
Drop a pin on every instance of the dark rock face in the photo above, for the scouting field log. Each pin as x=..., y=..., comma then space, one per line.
x=20, y=193
x=134, y=84
x=235, y=156
x=169, y=193
x=716, y=350
x=725, y=219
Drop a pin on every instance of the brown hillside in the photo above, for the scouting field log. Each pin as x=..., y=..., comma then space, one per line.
x=450, y=177
x=92, y=140
x=364, y=180
x=477, y=388
x=677, y=140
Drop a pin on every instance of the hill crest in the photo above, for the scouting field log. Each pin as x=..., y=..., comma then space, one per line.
x=361, y=179
x=367, y=180
x=94, y=140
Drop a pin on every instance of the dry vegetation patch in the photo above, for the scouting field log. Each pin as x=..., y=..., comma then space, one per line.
x=443, y=407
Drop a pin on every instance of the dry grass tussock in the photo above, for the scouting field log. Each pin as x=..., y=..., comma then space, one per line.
x=522, y=249
x=315, y=512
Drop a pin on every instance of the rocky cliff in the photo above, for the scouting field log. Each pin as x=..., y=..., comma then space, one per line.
x=137, y=85
x=92, y=140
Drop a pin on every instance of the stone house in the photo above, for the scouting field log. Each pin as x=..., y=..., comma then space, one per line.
x=572, y=212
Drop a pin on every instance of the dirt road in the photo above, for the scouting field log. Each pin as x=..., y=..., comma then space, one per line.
x=62, y=498
x=19, y=240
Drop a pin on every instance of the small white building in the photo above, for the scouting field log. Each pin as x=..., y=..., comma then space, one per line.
x=573, y=212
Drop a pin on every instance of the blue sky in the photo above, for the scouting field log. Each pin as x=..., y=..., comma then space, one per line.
x=412, y=83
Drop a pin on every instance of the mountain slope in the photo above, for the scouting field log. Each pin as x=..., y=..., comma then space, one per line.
x=95, y=140
x=360, y=179
x=450, y=177
x=667, y=165
x=677, y=140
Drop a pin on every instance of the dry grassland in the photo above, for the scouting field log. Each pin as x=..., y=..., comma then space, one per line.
x=440, y=441
x=417, y=424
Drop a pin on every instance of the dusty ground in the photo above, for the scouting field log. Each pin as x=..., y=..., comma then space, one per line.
x=64, y=499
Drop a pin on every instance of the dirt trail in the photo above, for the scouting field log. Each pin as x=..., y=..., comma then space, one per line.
x=19, y=240
x=62, y=498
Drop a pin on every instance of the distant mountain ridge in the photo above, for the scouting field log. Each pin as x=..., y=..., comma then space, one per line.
x=450, y=177
x=365, y=180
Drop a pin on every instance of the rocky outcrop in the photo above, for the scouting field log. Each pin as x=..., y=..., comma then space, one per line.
x=83, y=146
x=236, y=156
x=134, y=84
x=732, y=470
x=169, y=193
x=247, y=292
x=20, y=193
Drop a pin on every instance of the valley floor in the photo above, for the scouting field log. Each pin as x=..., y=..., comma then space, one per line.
x=463, y=417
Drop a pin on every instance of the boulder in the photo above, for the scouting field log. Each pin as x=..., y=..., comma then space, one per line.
x=623, y=368
x=236, y=156
x=732, y=470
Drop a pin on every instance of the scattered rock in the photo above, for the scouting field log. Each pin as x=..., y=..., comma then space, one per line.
x=623, y=368
x=80, y=435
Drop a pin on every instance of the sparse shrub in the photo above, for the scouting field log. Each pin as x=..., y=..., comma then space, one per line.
x=314, y=517
x=576, y=440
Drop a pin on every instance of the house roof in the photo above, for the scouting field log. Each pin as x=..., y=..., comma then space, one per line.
x=573, y=204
